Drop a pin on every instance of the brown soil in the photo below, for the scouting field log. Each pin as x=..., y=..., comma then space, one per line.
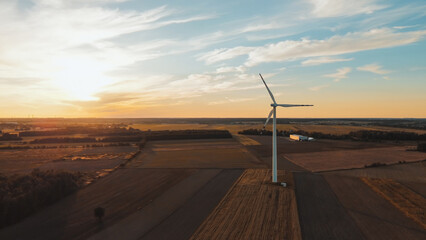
x=121, y=193
x=375, y=216
x=286, y=146
x=184, y=221
x=196, y=154
x=253, y=209
x=321, y=214
x=410, y=203
x=407, y=172
x=69, y=159
x=23, y=161
x=334, y=160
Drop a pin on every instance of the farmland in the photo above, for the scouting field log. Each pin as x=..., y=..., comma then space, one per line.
x=253, y=209
x=407, y=201
x=226, y=153
x=374, y=216
x=74, y=159
x=346, y=159
x=234, y=128
x=214, y=186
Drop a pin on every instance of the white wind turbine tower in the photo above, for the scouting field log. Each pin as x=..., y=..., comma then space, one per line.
x=274, y=106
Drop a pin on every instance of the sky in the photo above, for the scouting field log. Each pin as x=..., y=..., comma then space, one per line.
x=144, y=59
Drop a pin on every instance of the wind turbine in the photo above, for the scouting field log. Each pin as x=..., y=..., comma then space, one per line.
x=274, y=106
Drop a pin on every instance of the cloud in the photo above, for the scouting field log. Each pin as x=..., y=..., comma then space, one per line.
x=404, y=27
x=60, y=41
x=258, y=37
x=323, y=60
x=338, y=8
x=231, y=100
x=336, y=45
x=317, y=88
x=373, y=68
x=340, y=74
x=261, y=27
x=68, y=3
x=305, y=48
x=240, y=69
x=224, y=54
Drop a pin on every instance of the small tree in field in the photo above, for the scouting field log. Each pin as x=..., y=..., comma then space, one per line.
x=99, y=213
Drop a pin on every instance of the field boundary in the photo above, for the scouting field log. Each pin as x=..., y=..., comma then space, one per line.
x=383, y=166
x=404, y=199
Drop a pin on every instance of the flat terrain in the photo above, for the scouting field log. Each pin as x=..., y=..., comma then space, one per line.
x=284, y=145
x=407, y=172
x=177, y=212
x=72, y=159
x=24, y=160
x=121, y=193
x=407, y=201
x=221, y=189
x=253, y=209
x=263, y=150
x=411, y=175
x=183, y=222
x=321, y=214
x=211, y=153
x=234, y=128
x=375, y=216
x=334, y=160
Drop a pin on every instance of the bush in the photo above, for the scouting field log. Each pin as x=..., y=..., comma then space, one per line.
x=99, y=213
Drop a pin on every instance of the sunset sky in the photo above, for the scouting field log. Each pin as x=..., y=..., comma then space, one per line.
x=190, y=58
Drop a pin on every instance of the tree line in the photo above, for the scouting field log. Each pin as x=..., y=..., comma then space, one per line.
x=22, y=195
x=364, y=135
x=148, y=136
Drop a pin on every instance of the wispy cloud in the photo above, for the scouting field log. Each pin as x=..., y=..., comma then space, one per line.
x=304, y=48
x=222, y=54
x=261, y=26
x=231, y=100
x=70, y=42
x=336, y=45
x=323, y=60
x=317, y=88
x=338, y=8
x=158, y=88
x=403, y=27
x=373, y=68
x=239, y=69
x=340, y=74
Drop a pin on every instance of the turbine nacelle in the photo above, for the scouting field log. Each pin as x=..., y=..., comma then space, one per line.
x=290, y=105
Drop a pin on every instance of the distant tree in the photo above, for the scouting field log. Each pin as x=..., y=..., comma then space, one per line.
x=99, y=213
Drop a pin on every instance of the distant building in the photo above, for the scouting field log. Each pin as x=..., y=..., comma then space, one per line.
x=296, y=137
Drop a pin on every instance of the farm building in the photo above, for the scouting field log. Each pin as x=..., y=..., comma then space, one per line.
x=298, y=137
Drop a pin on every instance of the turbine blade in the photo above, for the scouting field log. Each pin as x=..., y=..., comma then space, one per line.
x=294, y=105
x=270, y=93
x=269, y=117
